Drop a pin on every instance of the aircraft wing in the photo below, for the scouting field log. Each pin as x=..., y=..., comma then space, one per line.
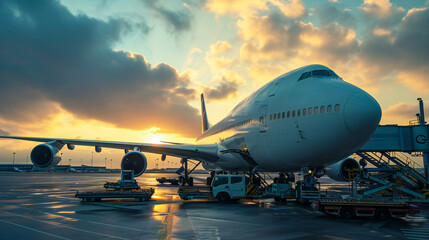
x=205, y=153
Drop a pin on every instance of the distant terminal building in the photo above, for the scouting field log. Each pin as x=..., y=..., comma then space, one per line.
x=59, y=168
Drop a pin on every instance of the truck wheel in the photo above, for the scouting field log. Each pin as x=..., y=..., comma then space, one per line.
x=382, y=213
x=347, y=212
x=223, y=197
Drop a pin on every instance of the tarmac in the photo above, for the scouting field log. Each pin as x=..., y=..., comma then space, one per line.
x=43, y=206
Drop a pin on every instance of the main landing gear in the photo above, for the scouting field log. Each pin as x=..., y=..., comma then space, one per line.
x=185, y=179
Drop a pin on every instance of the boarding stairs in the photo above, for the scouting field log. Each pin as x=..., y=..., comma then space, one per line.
x=394, y=177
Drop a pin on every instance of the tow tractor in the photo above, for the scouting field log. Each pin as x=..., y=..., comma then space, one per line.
x=126, y=187
x=172, y=181
x=223, y=187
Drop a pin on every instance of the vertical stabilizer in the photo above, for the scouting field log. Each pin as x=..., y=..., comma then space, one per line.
x=204, y=114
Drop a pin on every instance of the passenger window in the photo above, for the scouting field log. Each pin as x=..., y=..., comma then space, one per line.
x=322, y=109
x=316, y=110
x=220, y=181
x=288, y=114
x=293, y=113
x=271, y=117
x=304, y=112
x=299, y=112
x=283, y=115
x=275, y=115
x=278, y=115
x=236, y=179
x=337, y=107
x=329, y=108
x=310, y=111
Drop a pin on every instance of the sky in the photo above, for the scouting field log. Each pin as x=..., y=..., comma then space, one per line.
x=134, y=70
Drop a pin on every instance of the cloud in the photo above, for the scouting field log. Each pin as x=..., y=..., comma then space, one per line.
x=234, y=7
x=3, y=133
x=215, y=56
x=401, y=113
x=290, y=8
x=226, y=87
x=179, y=21
x=404, y=51
x=50, y=57
x=220, y=47
x=274, y=44
x=380, y=8
x=334, y=12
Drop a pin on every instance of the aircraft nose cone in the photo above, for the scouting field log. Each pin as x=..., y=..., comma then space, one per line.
x=362, y=113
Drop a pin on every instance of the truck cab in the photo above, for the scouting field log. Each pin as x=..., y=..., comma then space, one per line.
x=227, y=187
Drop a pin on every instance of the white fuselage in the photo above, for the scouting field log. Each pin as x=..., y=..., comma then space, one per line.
x=281, y=129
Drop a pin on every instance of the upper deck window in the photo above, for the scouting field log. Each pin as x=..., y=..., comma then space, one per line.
x=320, y=73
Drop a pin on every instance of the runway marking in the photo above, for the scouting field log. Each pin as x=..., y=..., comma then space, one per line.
x=417, y=232
x=32, y=229
x=62, y=225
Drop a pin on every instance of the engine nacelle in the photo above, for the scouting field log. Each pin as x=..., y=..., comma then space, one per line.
x=45, y=155
x=339, y=171
x=134, y=161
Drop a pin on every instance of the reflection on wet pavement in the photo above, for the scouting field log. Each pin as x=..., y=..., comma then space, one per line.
x=43, y=206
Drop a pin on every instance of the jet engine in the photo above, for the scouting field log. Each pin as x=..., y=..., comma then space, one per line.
x=134, y=161
x=339, y=171
x=45, y=155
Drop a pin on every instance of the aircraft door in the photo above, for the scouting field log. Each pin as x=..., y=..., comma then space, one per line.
x=262, y=116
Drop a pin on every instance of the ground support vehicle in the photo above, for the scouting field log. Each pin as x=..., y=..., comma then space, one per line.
x=195, y=192
x=306, y=193
x=281, y=192
x=127, y=182
x=224, y=188
x=141, y=195
x=172, y=181
x=355, y=207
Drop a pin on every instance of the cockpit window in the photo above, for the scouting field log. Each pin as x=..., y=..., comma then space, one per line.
x=334, y=74
x=304, y=76
x=321, y=73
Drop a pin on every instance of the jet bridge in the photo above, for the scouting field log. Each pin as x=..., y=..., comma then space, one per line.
x=396, y=175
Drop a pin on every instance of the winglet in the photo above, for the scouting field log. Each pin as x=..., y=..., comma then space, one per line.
x=204, y=114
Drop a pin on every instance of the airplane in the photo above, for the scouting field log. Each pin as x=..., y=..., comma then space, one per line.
x=306, y=118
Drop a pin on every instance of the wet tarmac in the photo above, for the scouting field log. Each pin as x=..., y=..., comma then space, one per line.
x=43, y=206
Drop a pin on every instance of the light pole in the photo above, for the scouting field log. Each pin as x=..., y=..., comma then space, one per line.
x=13, y=159
x=61, y=157
x=92, y=159
x=105, y=162
x=70, y=162
x=111, y=166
